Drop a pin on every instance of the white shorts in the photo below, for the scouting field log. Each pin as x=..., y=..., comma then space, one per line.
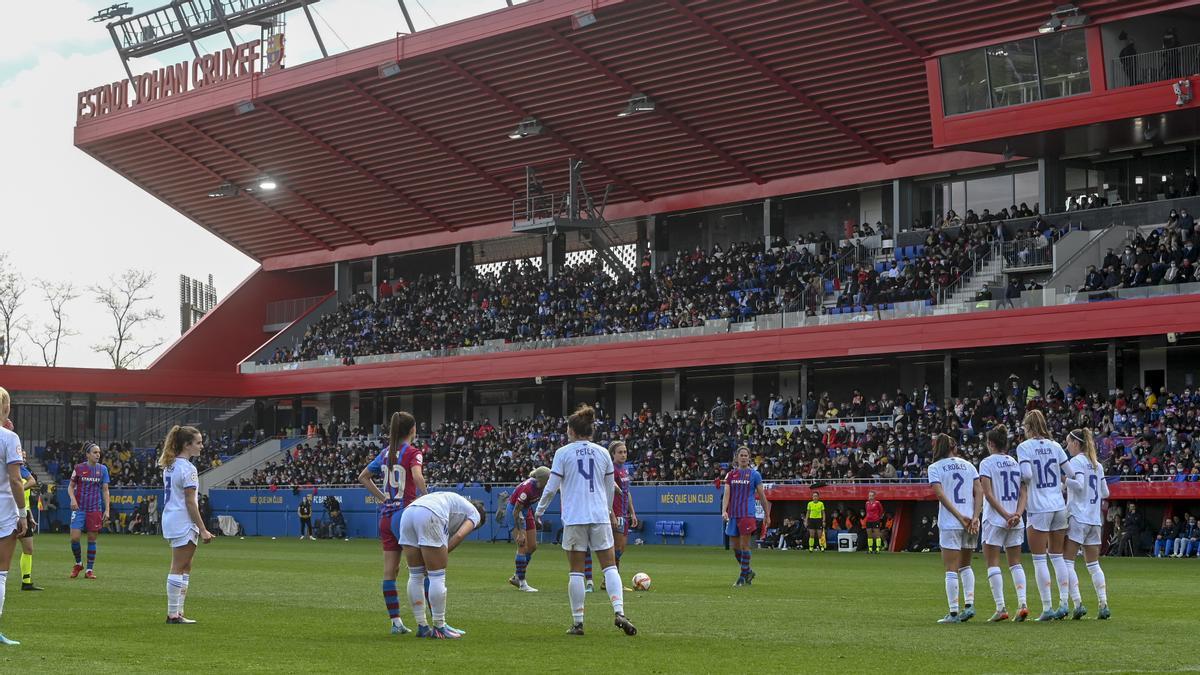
x=1004, y=537
x=192, y=537
x=8, y=527
x=1048, y=522
x=1084, y=534
x=421, y=527
x=958, y=540
x=597, y=537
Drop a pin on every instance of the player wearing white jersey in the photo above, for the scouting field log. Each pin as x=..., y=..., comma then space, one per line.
x=432, y=526
x=584, y=473
x=956, y=484
x=181, y=522
x=1086, y=492
x=1042, y=462
x=1000, y=476
x=12, y=498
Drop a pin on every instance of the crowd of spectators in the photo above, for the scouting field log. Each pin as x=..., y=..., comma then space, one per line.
x=129, y=466
x=1141, y=433
x=1168, y=255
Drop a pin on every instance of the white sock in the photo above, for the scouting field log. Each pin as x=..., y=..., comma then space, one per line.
x=1093, y=567
x=1073, y=581
x=416, y=594
x=437, y=597
x=1018, y=577
x=1041, y=572
x=616, y=592
x=576, y=593
x=1063, y=576
x=174, y=594
x=183, y=590
x=996, y=581
x=3, y=585
x=967, y=576
x=952, y=591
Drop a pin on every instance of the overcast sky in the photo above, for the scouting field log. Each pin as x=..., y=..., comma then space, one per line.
x=67, y=217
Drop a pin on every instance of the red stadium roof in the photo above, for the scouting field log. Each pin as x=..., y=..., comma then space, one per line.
x=750, y=95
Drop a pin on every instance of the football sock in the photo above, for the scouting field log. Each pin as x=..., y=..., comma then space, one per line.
x=26, y=568
x=3, y=585
x=619, y=552
x=746, y=563
x=390, y=598
x=575, y=594
x=879, y=545
x=416, y=594
x=812, y=543
x=1062, y=576
x=522, y=562
x=1041, y=572
x=1018, y=577
x=996, y=581
x=77, y=551
x=1073, y=580
x=952, y=591
x=616, y=593
x=186, y=578
x=91, y=555
x=967, y=576
x=174, y=594
x=587, y=565
x=1098, y=582
x=437, y=597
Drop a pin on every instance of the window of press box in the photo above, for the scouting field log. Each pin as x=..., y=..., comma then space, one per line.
x=1015, y=73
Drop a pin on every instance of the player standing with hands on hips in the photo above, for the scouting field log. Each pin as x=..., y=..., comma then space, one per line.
x=584, y=472
x=12, y=499
x=960, y=497
x=182, y=524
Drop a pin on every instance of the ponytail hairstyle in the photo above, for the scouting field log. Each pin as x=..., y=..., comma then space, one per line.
x=5, y=405
x=400, y=426
x=173, y=444
x=583, y=421
x=998, y=436
x=618, y=445
x=1083, y=437
x=1035, y=425
x=86, y=447
x=943, y=446
x=482, y=512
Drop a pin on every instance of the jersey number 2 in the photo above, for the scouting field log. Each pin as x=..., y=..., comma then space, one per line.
x=588, y=473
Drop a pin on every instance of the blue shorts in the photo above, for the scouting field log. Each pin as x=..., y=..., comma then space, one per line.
x=737, y=527
x=88, y=521
x=389, y=530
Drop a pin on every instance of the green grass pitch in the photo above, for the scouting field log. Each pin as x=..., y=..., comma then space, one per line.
x=292, y=606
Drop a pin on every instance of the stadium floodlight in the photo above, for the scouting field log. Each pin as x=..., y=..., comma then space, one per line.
x=389, y=69
x=267, y=183
x=243, y=107
x=530, y=126
x=114, y=12
x=1063, y=16
x=637, y=103
x=225, y=190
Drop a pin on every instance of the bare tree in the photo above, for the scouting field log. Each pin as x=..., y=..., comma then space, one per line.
x=12, y=287
x=52, y=333
x=125, y=298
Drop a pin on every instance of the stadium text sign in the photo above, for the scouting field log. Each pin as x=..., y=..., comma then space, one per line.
x=211, y=69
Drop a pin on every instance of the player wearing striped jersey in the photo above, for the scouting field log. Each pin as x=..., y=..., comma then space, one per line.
x=431, y=527
x=1000, y=476
x=29, y=483
x=584, y=472
x=1086, y=492
x=182, y=525
x=1042, y=461
x=403, y=481
x=874, y=523
x=743, y=484
x=521, y=504
x=816, y=522
x=89, y=506
x=956, y=484
x=622, y=500
x=12, y=499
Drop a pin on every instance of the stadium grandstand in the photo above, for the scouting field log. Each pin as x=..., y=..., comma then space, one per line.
x=822, y=230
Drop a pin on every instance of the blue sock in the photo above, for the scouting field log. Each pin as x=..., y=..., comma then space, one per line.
x=91, y=555
x=390, y=599
x=77, y=551
x=746, y=563
x=587, y=566
x=522, y=561
x=619, y=552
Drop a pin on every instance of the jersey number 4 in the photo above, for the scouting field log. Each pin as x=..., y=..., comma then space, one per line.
x=589, y=473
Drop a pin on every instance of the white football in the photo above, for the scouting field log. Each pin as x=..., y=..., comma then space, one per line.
x=641, y=581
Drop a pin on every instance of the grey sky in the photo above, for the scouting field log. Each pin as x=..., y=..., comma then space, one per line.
x=66, y=217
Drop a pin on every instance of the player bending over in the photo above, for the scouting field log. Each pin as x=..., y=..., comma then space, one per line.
x=430, y=528
x=520, y=513
x=584, y=472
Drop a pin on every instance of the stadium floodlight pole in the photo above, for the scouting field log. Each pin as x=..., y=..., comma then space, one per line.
x=407, y=18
